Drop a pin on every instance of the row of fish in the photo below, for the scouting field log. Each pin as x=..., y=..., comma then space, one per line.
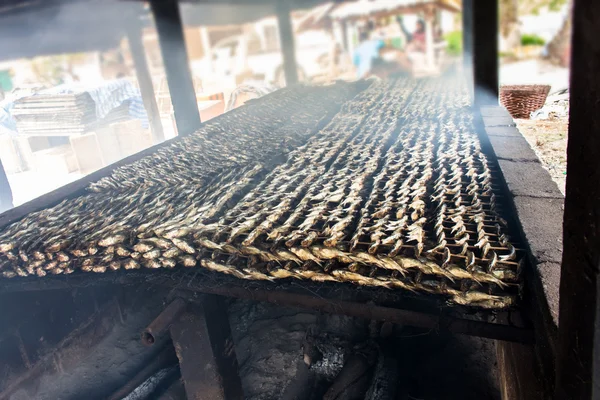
x=264, y=129
x=394, y=192
x=376, y=200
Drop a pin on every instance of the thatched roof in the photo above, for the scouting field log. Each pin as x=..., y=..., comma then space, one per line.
x=378, y=8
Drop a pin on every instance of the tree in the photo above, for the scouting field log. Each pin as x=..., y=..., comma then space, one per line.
x=560, y=46
x=509, y=24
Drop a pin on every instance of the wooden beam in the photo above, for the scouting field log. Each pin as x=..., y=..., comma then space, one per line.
x=204, y=346
x=578, y=371
x=333, y=298
x=174, y=54
x=485, y=51
x=286, y=39
x=136, y=46
x=6, y=197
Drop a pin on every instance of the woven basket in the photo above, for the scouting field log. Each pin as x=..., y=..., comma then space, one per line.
x=522, y=100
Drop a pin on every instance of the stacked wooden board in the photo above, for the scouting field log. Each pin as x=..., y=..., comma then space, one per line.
x=54, y=114
x=392, y=191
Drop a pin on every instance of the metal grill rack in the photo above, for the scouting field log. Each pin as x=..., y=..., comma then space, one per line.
x=388, y=189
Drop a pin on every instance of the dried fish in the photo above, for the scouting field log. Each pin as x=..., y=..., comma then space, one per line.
x=393, y=191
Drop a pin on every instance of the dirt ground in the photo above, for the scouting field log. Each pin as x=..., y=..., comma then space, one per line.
x=548, y=138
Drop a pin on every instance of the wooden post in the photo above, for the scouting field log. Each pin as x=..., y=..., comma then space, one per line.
x=286, y=39
x=206, y=46
x=485, y=51
x=179, y=78
x=136, y=46
x=203, y=343
x=578, y=371
x=345, y=39
x=350, y=32
x=467, y=29
x=429, y=42
x=6, y=197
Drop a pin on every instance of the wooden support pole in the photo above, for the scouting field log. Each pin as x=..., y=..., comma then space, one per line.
x=578, y=371
x=176, y=61
x=467, y=28
x=207, y=48
x=202, y=339
x=345, y=36
x=286, y=39
x=136, y=46
x=429, y=42
x=485, y=51
x=6, y=197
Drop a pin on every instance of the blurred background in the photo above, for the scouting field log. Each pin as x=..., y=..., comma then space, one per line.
x=66, y=111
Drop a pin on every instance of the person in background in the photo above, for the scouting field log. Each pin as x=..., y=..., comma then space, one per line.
x=414, y=52
x=417, y=42
x=366, y=52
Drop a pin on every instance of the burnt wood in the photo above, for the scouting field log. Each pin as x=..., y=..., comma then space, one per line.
x=578, y=375
x=203, y=343
x=165, y=359
x=175, y=59
x=485, y=51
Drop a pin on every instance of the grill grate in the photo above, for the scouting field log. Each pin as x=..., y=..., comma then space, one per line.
x=393, y=192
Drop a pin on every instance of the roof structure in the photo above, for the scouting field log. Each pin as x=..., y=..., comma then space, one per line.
x=64, y=28
x=29, y=29
x=380, y=8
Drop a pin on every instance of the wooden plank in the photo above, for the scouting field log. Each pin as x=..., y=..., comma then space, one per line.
x=286, y=39
x=177, y=67
x=578, y=375
x=136, y=46
x=6, y=197
x=203, y=343
x=485, y=51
